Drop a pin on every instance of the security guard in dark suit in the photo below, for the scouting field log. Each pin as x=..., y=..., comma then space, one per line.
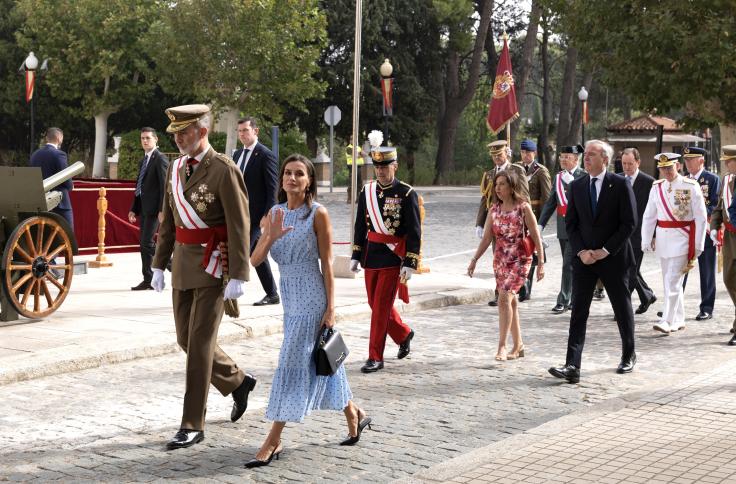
x=710, y=184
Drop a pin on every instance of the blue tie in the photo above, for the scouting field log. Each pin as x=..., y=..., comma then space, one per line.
x=245, y=155
x=593, y=195
x=141, y=175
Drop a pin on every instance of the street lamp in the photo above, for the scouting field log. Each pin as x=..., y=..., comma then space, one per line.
x=583, y=96
x=387, y=90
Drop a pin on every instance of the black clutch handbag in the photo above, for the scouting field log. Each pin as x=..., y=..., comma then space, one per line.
x=330, y=351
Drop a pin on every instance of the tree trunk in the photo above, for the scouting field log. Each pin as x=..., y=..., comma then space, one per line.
x=312, y=145
x=230, y=120
x=546, y=96
x=564, y=124
x=457, y=96
x=410, y=166
x=527, y=54
x=98, y=166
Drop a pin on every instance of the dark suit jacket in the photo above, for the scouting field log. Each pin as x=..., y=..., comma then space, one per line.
x=261, y=180
x=711, y=186
x=152, y=191
x=52, y=161
x=642, y=187
x=613, y=224
x=550, y=206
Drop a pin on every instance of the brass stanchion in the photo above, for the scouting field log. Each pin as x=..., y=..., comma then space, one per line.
x=101, y=260
x=422, y=269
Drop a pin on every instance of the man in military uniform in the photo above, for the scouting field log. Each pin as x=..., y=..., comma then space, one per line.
x=500, y=154
x=710, y=184
x=557, y=202
x=676, y=212
x=205, y=210
x=539, y=181
x=386, y=244
x=723, y=215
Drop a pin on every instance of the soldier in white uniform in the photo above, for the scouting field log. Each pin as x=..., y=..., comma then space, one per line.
x=676, y=210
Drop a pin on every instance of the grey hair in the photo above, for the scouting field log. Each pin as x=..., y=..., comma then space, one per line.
x=204, y=122
x=607, y=149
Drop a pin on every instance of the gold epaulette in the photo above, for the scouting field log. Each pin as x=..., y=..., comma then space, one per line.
x=690, y=180
x=655, y=182
x=224, y=158
x=407, y=185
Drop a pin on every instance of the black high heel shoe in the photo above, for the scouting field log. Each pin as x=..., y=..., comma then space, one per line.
x=366, y=422
x=260, y=463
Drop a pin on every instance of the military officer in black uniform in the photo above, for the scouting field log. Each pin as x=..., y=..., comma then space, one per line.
x=386, y=244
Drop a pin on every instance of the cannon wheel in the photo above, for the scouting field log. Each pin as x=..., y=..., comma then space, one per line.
x=29, y=283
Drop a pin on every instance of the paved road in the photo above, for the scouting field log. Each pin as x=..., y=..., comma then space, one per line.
x=449, y=397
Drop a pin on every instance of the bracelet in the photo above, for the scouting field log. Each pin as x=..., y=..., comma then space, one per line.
x=474, y=259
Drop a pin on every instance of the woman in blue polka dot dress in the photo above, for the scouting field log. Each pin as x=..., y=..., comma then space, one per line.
x=299, y=235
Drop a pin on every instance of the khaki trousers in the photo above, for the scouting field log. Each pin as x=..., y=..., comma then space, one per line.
x=197, y=314
x=729, y=267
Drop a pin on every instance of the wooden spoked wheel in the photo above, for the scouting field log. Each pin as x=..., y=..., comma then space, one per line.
x=38, y=266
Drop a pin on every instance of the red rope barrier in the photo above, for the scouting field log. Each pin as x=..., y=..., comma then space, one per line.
x=123, y=221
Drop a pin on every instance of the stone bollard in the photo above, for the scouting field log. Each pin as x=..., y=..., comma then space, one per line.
x=421, y=269
x=101, y=260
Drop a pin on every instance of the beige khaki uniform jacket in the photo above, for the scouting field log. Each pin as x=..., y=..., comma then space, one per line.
x=217, y=192
x=540, y=186
x=486, y=190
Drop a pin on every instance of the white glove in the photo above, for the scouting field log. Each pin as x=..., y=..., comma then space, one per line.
x=354, y=265
x=406, y=273
x=234, y=289
x=479, y=232
x=157, y=281
x=714, y=236
x=646, y=247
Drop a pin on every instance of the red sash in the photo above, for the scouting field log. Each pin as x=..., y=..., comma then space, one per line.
x=730, y=227
x=399, y=249
x=212, y=236
x=688, y=226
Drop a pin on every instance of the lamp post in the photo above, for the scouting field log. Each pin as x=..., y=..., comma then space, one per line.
x=30, y=65
x=583, y=96
x=387, y=90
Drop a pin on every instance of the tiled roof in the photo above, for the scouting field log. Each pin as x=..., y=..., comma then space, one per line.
x=644, y=124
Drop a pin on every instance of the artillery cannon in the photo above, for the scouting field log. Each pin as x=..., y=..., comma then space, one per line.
x=37, y=245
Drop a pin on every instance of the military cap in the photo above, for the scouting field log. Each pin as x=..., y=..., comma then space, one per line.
x=497, y=146
x=528, y=145
x=183, y=116
x=574, y=149
x=693, y=152
x=666, y=159
x=383, y=155
x=729, y=153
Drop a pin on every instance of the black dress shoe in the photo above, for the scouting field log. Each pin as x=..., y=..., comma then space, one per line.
x=362, y=425
x=260, y=463
x=185, y=438
x=732, y=341
x=405, y=347
x=659, y=314
x=524, y=297
x=268, y=300
x=560, y=308
x=372, y=366
x=493, y=302
x=599, y=294
x=627, y=364
x=702, y=316
x=568, y=372
x=644, y=306
x=143, y=286
x=240, y=397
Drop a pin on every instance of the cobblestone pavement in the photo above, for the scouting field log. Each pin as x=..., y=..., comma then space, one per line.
x=447, y=398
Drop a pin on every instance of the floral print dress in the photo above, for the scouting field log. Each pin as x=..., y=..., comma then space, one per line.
x=510, y=265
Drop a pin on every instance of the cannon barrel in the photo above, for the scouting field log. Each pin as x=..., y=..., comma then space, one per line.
x=58, y=178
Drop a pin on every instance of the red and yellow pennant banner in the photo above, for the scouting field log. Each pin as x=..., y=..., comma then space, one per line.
x=502, y=108
x=30, y=81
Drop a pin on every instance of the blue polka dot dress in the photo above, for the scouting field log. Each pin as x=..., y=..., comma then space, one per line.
x=296, y=389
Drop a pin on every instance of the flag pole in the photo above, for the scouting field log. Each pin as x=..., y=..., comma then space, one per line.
x=356, y=112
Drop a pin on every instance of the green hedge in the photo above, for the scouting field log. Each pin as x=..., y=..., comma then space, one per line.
x=130, y=152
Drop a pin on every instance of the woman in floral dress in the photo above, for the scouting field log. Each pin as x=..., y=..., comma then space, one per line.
x=299, y=235
x=509, y=214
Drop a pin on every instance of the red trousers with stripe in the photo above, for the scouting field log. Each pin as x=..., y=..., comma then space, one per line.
x=381, y=285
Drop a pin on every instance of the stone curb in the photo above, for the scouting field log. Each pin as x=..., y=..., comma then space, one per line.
x=230, y=332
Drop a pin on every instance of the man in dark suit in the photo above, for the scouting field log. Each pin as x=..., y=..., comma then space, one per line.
x=642, y=184
x=149, y=195
x=52, y=160
x=710, y=184
x=601, y=216
x=260, y=172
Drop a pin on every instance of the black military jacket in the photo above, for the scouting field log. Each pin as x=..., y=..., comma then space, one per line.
x=399, y=208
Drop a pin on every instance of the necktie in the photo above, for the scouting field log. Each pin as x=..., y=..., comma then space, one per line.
x=628, y=179
x=191, y=163
x=593, y=196
x=244, y=156
x=141, y=176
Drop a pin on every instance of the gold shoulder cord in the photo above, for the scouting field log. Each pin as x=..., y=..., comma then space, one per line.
x=486, y=185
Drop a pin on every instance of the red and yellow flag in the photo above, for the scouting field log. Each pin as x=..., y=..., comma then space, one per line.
x=30, y=80
x=502, y=108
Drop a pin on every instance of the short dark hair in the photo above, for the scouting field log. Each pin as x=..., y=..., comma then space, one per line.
x=148, y=129
x=249, y=119
x=631, y=151
x=54, y=134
